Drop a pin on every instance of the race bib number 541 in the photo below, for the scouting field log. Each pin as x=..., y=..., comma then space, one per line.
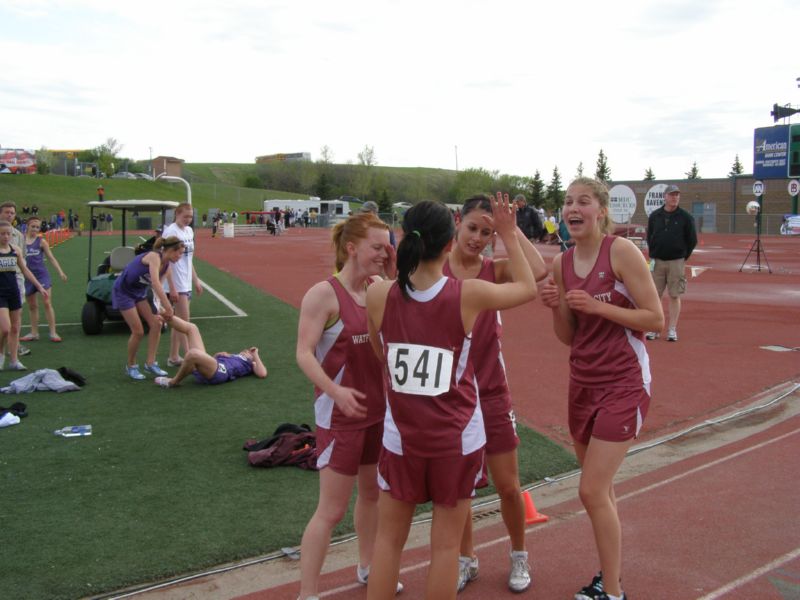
x=422, y=370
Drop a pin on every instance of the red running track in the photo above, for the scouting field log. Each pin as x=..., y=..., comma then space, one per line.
x=718, y=362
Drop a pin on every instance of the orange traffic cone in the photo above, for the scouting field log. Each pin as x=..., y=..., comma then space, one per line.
x=531, y=514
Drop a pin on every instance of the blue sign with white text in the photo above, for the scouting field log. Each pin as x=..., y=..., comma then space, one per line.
x=771, y=152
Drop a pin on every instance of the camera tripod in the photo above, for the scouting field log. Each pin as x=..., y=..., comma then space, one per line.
x=758, y=248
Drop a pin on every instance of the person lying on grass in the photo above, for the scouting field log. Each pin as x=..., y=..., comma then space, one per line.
x=211, y=370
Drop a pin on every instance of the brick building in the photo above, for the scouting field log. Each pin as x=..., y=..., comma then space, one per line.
x=167, y=165
x=718, y=205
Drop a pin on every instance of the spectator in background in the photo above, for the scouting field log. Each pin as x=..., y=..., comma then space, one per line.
x=370, y=206
x=671, y=238
x=527, y=218
x=109, y=222
x=101, y=193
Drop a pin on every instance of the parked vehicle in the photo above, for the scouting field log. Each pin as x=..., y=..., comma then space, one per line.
x=144, y=176
x=123, y=175
x=98, y=305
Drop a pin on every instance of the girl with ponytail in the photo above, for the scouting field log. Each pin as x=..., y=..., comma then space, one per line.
x=433, y=441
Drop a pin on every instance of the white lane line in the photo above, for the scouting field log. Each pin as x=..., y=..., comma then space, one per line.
x=737, y=583
x=236, y=310
x=553, y=522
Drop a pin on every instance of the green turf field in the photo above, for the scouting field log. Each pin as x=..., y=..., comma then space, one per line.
x=162, y=487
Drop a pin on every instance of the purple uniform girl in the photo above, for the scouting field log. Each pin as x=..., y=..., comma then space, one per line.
x=35, y=258
x=132, y=284
x=229, y=368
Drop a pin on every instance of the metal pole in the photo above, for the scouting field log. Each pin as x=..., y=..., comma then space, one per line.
x=186, y=183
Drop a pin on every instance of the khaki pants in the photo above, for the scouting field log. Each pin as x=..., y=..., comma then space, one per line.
x=670, y=274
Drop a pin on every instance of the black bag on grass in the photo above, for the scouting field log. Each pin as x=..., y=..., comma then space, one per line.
x=289, y=445
x=72, y=376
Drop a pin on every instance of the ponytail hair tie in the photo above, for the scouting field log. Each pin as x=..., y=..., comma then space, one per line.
x=417, y=233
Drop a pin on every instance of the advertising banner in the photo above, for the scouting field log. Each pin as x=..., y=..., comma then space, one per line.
x=17, y=161
x=771, y=152
x=622, y=203
x=654, y=198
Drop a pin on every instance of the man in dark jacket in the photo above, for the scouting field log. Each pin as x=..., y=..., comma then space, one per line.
x=671, y=238
x=528, y=219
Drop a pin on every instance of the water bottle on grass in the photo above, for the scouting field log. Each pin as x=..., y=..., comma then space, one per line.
x=74, y=431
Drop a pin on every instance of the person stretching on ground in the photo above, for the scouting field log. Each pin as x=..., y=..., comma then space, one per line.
x=211, y=370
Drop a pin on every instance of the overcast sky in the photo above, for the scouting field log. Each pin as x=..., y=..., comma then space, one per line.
x=513, y=85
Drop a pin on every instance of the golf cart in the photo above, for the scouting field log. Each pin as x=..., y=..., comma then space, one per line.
x=98, y=289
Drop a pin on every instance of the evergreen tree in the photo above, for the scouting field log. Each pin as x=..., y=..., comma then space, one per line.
x=649, y=175
x=694, y=172
x=737, y=168
x=555, y=195
x=536, y=190
x=602, y=173
x=384, y=203
x=323, y=187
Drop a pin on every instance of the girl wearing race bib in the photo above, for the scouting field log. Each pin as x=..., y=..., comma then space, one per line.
x=474, y=233
x=602, y=298
x=334, y=352
x=36, y=249
x=433, y=440
x=183, y=276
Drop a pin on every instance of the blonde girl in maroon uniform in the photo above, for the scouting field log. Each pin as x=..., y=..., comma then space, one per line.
x=475, y=232
x=433, y=436
x=334, y=352
x=602, y=298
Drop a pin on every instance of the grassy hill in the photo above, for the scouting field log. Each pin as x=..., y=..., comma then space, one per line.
x=214, y=185
x=52, y=193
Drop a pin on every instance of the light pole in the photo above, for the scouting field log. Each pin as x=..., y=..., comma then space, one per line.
x=150, y=166
x=181, y=179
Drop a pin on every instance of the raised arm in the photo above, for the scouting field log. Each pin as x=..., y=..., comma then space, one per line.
x=532, y=256
x=478, y=295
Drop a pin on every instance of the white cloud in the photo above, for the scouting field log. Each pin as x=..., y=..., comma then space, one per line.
x=516, y=86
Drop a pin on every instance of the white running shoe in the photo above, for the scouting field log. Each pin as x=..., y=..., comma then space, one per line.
x=363, y=574
x=467, y=571
x=520, y=578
